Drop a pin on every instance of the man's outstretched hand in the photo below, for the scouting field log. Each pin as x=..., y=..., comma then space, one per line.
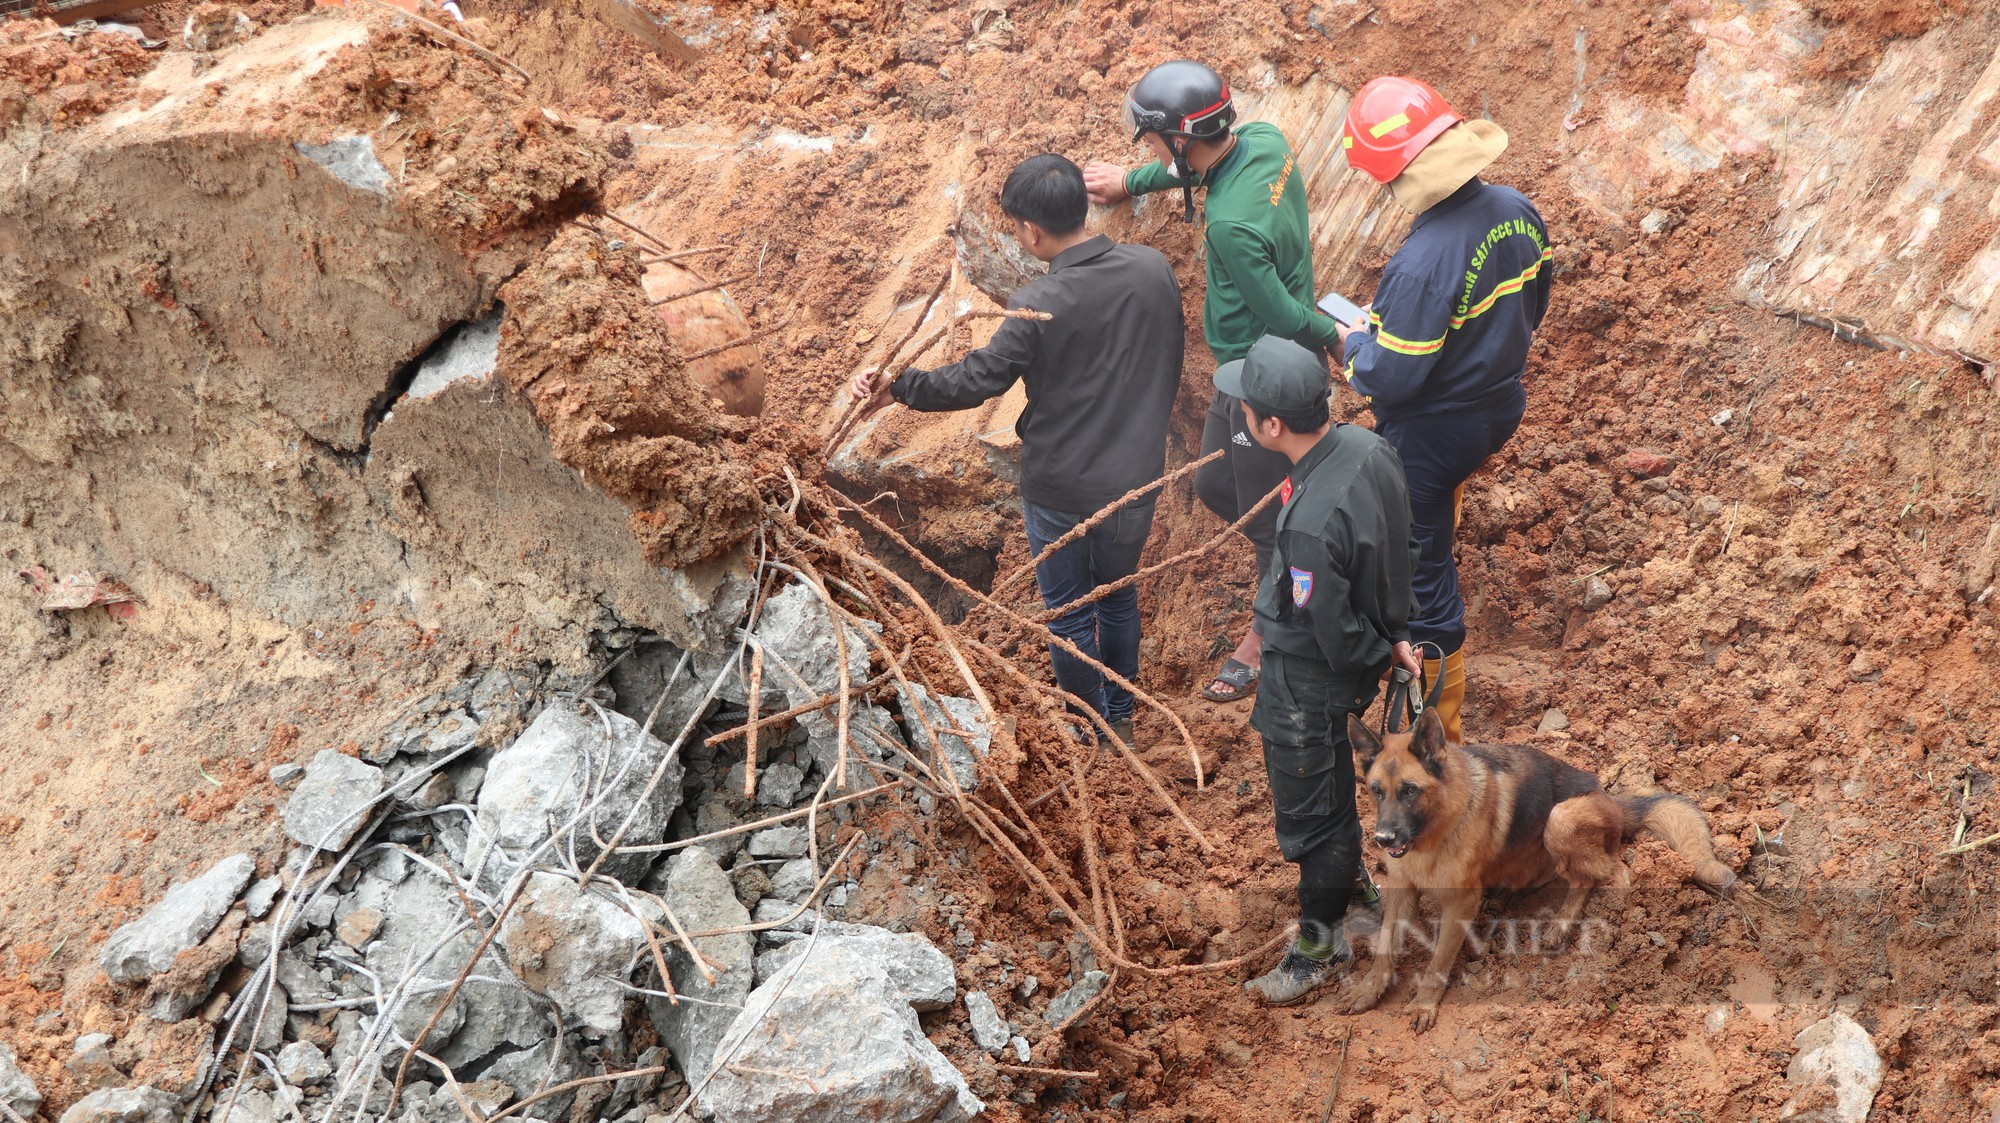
x=1104, y=183
x=871, y=389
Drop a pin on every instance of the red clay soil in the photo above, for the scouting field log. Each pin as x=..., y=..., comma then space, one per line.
x=1793, y=639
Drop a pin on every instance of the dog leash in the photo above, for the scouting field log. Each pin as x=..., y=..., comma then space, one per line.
x=1402, y=707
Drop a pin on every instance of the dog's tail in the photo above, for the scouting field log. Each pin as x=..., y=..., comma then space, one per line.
x=1680, y=824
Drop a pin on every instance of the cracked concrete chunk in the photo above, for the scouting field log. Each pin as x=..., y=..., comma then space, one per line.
x=1836, y=1057
x=989, y=1030
x=920, y=972
x=845, y=1022
x=702, y=897
x=124, y=1105
x=538, y=780
x=17, y=1091
x=351, y=160
x=574, y=947
x=326, y=810
x=1066, y=1004
x=947, y=727
x=181, y=920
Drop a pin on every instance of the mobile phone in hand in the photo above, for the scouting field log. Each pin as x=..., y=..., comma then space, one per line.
x=1344, y=310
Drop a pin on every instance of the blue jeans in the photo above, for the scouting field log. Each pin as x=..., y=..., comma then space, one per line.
x=1108, y=630
x=1439, y=451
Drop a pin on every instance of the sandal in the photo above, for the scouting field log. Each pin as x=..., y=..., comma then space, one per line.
x=1235, y=673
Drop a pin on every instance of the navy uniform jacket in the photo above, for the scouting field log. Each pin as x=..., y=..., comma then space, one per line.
x=1458, y=305
x=1338, y=590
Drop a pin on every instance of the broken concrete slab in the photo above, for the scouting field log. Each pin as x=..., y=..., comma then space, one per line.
x=920, y=972
x=529, y=1071
x=541, y=779
x=124, y=1105
x=327, y=808
x=489, y=1014
x=845, y=1022
x=864, y=723
x=702, y=898
x=793, y=880
x=796, y=630
x=575, y=948
x=90, y=1066
x=182, y=919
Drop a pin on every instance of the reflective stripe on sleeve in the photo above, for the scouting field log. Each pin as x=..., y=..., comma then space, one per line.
x=1511, y=284
x=1400, y=345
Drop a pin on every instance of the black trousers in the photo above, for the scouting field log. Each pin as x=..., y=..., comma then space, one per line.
x=1301, y=713
x=1246, y=473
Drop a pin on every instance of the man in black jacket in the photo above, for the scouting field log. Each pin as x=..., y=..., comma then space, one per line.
x=1334, y=611
x=1101, y=375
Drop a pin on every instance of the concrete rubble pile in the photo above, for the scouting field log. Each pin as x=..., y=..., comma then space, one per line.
x=507, y=788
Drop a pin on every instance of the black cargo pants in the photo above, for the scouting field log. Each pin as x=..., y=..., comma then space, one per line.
x=1301, y=713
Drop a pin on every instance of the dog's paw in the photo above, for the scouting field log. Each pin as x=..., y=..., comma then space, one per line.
x=1360, y=995
x=1423, y=1015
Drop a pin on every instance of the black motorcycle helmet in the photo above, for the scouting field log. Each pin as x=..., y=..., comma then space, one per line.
x=1183, y=101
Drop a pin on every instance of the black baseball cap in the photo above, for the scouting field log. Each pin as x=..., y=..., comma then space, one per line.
x=1277, y=377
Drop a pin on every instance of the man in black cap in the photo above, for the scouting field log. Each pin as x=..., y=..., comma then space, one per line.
x=1334, y=611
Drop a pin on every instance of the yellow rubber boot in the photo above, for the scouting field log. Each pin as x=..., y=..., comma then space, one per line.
x=1451, y=697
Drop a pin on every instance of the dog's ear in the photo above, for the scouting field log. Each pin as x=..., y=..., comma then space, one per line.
x=1428, y=743
x=1367, y=746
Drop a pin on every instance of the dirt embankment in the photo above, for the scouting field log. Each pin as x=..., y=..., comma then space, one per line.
x=231, y=273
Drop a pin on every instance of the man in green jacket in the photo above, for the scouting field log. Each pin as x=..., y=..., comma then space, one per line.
x=1260, y=280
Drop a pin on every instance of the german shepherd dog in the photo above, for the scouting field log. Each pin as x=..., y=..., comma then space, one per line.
x=1458, y=820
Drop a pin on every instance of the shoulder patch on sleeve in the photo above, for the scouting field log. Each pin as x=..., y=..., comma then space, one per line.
x=1302, y=586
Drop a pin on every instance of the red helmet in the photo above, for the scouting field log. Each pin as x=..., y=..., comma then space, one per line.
x=1389, y=122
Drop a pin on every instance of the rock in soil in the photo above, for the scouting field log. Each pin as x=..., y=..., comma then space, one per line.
x=302, y=1063
x=16, y=1089
x=919, y=971
x=793, y=880
x=124, y=1105
x=702, y=897
x=989, y=1030
x=801, y=660
x=90, y=1065
x=844, y=1021
x=864, y=722
x=539, y=779
x=1837, y=1060
x=933, y=734
x=1066, y=1004
x=778, y=842
x=181, y=920
x=325, y=811
x=573, y=947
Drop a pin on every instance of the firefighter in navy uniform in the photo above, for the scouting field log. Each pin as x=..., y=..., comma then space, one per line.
x=1447, y=343
x=1333, y=610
